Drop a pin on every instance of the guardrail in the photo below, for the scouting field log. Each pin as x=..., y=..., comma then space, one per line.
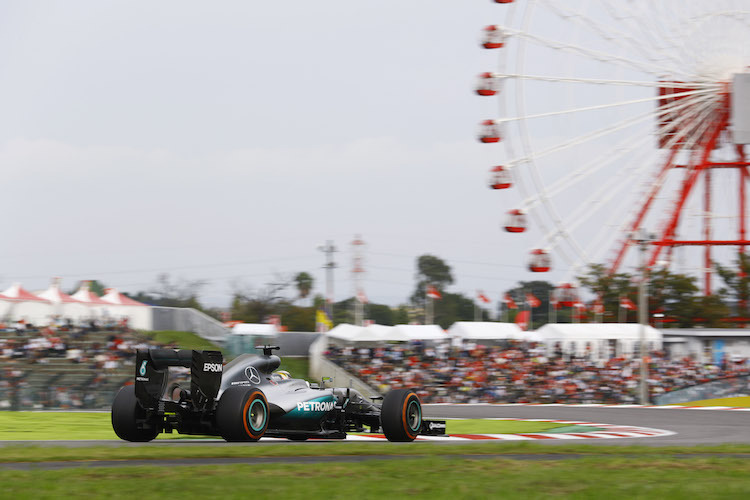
x=720, y=388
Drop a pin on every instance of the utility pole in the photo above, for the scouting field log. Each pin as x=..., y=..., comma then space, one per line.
x=358, y=271
x=643, y=241
x=329, y=249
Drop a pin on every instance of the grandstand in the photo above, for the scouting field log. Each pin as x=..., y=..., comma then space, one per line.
x=74, y=369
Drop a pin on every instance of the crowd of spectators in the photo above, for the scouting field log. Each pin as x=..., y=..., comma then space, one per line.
x=62, y=366
x=520, y=372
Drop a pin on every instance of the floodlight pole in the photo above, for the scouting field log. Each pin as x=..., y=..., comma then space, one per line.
x=643, y=241
x=329, y=249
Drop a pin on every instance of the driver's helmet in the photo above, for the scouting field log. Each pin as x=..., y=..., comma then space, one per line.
x=283, y=374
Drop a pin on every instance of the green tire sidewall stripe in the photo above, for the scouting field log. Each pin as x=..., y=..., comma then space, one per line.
x=419, y=411
x=250, y=412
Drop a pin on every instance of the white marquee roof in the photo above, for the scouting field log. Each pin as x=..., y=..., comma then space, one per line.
x=485, y=330
x=596, y=331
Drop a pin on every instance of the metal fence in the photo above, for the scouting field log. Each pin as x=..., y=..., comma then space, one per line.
x=720, y=388
x=189, y=320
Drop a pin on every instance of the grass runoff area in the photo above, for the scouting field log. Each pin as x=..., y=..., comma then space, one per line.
x=433, y=472
x=51, y=426
x=471, y=470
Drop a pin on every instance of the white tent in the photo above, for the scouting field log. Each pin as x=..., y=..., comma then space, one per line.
x=485, y=330
x=373, y=334
x=259, y=329
x=344, y=332
x=601, y=340
x=64, y=305
x=20, y=304
x=379, y=334
x=421, y=332
x=98, y=307
x=388, y=333
x=138, y=314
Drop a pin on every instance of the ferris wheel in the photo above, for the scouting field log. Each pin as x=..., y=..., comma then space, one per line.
x=613, y=119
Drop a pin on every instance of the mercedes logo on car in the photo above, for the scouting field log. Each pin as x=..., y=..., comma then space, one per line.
x=252, y=375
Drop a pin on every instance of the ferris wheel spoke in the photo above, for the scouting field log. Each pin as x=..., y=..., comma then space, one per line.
x=603, y=81
x=587, y=209
x=604, y=57
x=710, y=90
x=603, y=195
x=657, y=184
x=646, y=27
x=544, y=200
x=624, y=147
x=623, y=124
x=606, y=31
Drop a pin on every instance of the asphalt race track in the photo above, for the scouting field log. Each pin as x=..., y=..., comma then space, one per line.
x=691, y=426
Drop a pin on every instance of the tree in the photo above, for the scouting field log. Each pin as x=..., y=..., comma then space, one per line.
x=539, y=315
x=674, y=295
x=170, y=293
x=401, y=315
x=455, y=307
x=381, y=314
x=95, y=286
x=298, y=319
x=304, y=283
x=609, y=288
x=738, y=283
x=256, y=305
x=432, y=271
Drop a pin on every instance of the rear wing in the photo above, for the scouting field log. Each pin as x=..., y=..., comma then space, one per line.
x=152, y=369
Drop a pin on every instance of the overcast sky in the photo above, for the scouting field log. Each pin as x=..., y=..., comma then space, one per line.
x=227, y=140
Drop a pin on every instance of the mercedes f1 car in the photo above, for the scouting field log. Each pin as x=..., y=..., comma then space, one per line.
x=247, y=399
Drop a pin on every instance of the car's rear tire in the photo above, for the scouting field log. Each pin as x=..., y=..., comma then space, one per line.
x=401, y=415
x=125, y=412
x=242, y=414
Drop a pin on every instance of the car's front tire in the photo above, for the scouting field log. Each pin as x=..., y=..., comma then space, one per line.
x=125, y=412
x=242, y=414
x=401, y=415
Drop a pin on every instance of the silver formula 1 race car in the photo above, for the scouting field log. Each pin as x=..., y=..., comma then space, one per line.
x=247, y=399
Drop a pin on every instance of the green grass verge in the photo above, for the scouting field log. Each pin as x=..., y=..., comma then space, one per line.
x=428, y=477
x=25, y=453
x=183, y=340
x=50, y=426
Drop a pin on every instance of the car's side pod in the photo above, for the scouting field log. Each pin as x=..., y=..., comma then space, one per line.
x=152, y=367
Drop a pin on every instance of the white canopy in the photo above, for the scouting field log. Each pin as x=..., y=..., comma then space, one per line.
x=98, y=308
x=261, y=329
x=20, y=304
x=421, y=332
x=596, y=331
x=379, y=333
x=345, y=332
x=485, y=330
x=63, y=304
x=371, y=333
